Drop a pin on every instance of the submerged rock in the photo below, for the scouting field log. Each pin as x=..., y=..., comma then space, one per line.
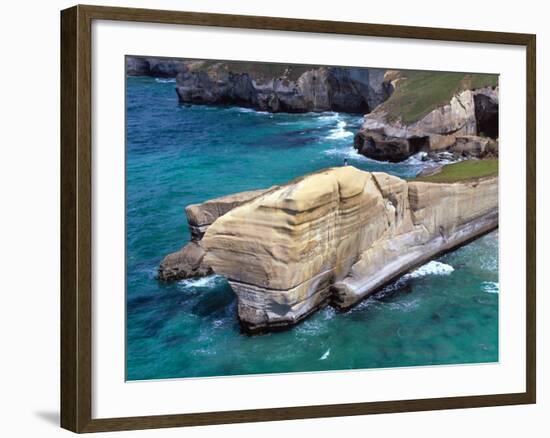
x=336, y=236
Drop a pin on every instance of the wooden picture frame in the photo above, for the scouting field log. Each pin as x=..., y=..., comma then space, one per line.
x=76, y=218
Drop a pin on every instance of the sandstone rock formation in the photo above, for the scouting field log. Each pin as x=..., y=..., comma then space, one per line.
x=201, y=216
x=468, y=113
x=185, y=263
x=295, y=89
x=336, y=236
x=189, y=261
x=475, y=146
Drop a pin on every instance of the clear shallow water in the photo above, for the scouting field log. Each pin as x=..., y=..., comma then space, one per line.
x=446, y=312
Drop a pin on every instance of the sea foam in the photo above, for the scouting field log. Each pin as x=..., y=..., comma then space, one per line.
x=201, y=282
x=340, y=131
x=165, y=81
x=491, y=287
x=430, y=268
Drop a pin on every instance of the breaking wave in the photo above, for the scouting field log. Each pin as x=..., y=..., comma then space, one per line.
x=430, y=268
x=202, y=282
x=491, y=287
x=340, y=131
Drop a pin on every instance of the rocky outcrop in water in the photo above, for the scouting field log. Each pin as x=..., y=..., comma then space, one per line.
x=469, y=113
x=270, y=87
x=337, y=236
x=188, y=262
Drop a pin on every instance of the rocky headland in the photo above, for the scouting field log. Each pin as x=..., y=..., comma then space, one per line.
x=268, y=87
x=331, y=237
x=433, y=112
x=282, y=88
x=405, y=112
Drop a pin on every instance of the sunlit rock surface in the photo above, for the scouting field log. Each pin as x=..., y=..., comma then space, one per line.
x=336, y=236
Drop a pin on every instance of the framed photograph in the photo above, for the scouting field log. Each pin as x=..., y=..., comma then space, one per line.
x=269, y=218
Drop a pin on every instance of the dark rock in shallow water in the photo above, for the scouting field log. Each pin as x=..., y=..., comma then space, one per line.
x=185, y=263
x=383, y=146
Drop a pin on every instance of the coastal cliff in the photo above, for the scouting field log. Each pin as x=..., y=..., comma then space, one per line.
x=405, y=112
x=268, y=87
x=337, y=236
x=154, y=67
x=432, y=112
x=282, y=88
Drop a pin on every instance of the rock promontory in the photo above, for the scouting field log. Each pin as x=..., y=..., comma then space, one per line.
x=188, y=262
x=432, y=112
x=336, y=236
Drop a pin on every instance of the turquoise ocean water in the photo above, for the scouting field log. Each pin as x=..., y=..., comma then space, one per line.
x=445, y=312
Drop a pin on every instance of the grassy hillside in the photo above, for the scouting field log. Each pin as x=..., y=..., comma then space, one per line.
x=464, y=170
x=420, y=92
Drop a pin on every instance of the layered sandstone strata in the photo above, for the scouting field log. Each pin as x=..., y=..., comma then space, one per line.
x=338, y=235
x=188, y=261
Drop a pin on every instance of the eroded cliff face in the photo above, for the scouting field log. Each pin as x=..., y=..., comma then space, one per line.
x=296, y=89
x=471, y=114
x=155, y=67
x=338, y=235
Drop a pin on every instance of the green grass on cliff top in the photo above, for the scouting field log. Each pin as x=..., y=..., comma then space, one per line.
x=423, y=91
x=469, y=169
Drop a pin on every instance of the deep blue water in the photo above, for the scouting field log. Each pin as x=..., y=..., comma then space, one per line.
x=444, y=313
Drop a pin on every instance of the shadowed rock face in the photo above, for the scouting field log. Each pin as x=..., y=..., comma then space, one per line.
x=268, y=87
x=185, y=263
x=338, y=235
x=155, y=67
x=354, y=90
x=486, y=111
